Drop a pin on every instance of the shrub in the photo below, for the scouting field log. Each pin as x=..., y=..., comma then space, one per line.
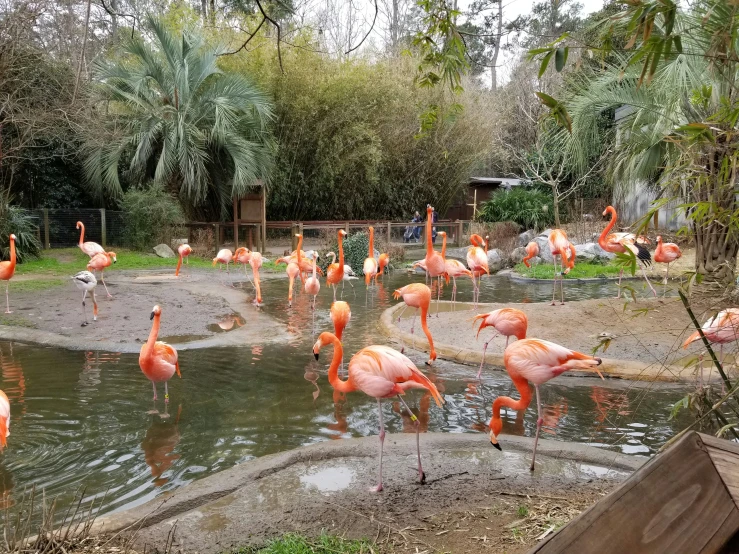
x=529, y=207
x=356, y=247
x=19, y=222
x=150, y=216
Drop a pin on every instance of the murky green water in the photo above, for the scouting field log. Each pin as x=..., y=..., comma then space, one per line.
x=80, y=418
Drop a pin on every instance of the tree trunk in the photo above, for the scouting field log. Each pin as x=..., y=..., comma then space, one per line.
x=394, y=31
x=204, y=10
x=494, y=61
x=82, y=53
x=114, y=19
x=555, y=195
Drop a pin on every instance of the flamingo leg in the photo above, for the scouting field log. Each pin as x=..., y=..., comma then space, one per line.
x=539, y=421
x=554, y=283
x=644, y=271
x=473, y=292
x=84, y=311
x=484, y=349
x=666, y=275
x=721, y=362
x=7, y=298
x=438, y=295
x=102, y=278
x=454, y=293
x=414, y=419
x=402, y=346
x=506, y=340
x=620, y=274
x=700, y=366
x=154, y=386
x=562, y=284
x=382, y=440
x=334, y=287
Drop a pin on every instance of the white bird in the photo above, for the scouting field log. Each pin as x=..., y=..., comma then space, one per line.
x=86, y=282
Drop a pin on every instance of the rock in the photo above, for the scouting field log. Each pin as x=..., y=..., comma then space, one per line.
x=526, y=237
x=518, y=255
x=458, y=254
x=177, y=243
x=592, y=251
x=164, y=251
x=544, y=253
x=545, y=233
x=495, y=260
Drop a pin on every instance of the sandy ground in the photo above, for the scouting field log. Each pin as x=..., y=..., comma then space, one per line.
x=475, y=498
x=195, y=310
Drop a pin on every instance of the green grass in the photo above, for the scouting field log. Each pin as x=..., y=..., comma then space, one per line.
x=325, y=544
x=64, y=262
x=580, y=271
x=32, y=285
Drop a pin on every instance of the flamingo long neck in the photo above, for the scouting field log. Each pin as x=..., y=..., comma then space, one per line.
x=12, y=254
x=443, y=247
x=333, y=257
x=522, y=385
x=372, y=243
x=179, y=265
x=153, y=335
x=429, y=245
x=424, y=326
x=607, y=230
x=314, y=267
x=82, y=233
x=487, y=239
x=341, y=252
x=333, y=370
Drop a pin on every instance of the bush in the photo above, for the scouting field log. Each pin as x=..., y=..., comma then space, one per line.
x=356, y=248
x=150, y=217
x=529, y=207
x=19, y=222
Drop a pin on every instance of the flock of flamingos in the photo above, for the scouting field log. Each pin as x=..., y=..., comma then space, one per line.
x=383, y=372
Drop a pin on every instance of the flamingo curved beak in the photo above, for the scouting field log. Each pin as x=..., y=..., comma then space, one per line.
x=315, y=354
x=151, y=316
x=494, y=441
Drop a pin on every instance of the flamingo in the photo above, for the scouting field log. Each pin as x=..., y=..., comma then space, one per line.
x=184, y=250
x=435, y=266
x=7, y=270
x=4, y=420
x=89, y=248
x=86, y=282
x=560, y=246
x=453, y=269
x=241, y=256
x=335, y=271
x=418, y=295
x=721, y=329
x=224, y=256
x=312, y=284
x=99, y=262
x=380, y=372
x=340, y=316
x=158, y=360
x=507, y=322
x=383, y=262
x=349, y=275
x=255, y=261
x=370, y=263
x=666, y=253
x=477, y=261
x=535, y=361
x=619, y=243
x=532, y=250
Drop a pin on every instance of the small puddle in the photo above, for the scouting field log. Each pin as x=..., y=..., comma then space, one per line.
x=179, y=339
x=226, y=324
x=329, y=480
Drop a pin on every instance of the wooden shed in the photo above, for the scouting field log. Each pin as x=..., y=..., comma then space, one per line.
x=683, y=501
x=478, y=190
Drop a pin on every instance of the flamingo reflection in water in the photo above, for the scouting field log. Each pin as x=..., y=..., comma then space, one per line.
x=14, y=381
x=158, y=445
x=341, y=427
x=609, y=403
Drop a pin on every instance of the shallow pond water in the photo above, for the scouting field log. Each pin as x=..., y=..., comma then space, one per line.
x=80, y=418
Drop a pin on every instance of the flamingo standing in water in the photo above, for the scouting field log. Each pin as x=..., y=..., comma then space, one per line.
x=89, y=248
x=158, y=360
x=370, y=263
x=340, y=316
x=418, y=295
x=666, y=253
x=507, y=322
x=560, y=246
x=184, y=250
x=453, y=269
x=535, y=361
x=224, y=256
x=86, y=282
x=7, y=270
x=721, y=329
x=619, y=243
x=4, y=420
x=99, y=262
x=255, y=261
x=532, y=250
x=312, y=284
x=335, y=271
x=381, y=265
x=477, y=261
x=380, y=372
x=435, y=266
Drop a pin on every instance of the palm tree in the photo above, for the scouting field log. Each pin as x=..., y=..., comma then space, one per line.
x=680, y=133
x=177, y=119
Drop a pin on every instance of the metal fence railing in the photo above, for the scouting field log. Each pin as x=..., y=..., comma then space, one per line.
x=58, y=228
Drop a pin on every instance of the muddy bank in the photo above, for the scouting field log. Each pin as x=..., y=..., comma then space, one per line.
x=326, y=487
x=198, y=311
x=647, y=335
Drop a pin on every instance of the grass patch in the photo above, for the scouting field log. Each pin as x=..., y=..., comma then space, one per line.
x=33, y=285
x=580, y=271
x=325, y=544
x=65, y=262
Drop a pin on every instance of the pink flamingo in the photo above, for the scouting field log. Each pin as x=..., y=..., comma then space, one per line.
x=4, y=420
x=7, y=270
x=158, y=360
x=224, y=256
x=184, y=250
x=477, y=261
x=721, y=329
x=255, y=261
x=435, y=266
x=619, y=243
x=370, y=263
x=380, y=372
x=532, y=250
x=99, y=262
x=559, y=246
x=340, y=316
x=381, y=265
x=89, y=248
x=666, y=253
x=507, y=322
x=312, y=284
x=535, y=361
x=418, y=295
x=335, y=271
x=453, y=269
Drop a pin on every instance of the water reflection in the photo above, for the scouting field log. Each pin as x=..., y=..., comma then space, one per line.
x=158, y=445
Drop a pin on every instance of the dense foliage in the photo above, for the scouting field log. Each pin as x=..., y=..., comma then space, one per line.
x=530, y=207
x=356, y=248
x=150, y=215
x=17, y=221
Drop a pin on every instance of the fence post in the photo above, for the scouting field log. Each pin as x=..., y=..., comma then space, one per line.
x=46, y=229
x=218, y=237
x=300, y=230
x=460, y=230
x=346, y=227
x=293, y=238
x=103, y=230
x=389, y=233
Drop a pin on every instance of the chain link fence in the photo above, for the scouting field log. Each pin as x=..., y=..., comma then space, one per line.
x=58, y=228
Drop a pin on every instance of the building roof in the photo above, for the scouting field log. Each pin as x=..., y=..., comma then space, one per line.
x=505, y=182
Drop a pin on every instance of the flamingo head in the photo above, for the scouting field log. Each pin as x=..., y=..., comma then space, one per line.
x=112, y=256
x=298, y=235
x=12, y=237
x=442, y=233
x=79, y=224
x=659, y=239
x=609, y=210
x=323, y=339
x=156, y=310
x=342, y=233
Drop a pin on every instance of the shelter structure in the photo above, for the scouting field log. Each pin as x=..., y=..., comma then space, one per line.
x=478, y=190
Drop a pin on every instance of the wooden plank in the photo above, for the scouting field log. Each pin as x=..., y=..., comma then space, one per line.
x=725, y=456
x=676, y=503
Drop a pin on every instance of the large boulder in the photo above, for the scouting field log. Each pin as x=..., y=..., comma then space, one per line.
x=545, y=233
x=544, y=252
x=526, y=237
x=496, y=260
x=518, y=255
x=164, y=251
x=592, y=251
x=458, y=254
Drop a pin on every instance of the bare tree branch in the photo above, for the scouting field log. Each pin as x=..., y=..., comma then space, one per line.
x=240, y=48
x=377, y=9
